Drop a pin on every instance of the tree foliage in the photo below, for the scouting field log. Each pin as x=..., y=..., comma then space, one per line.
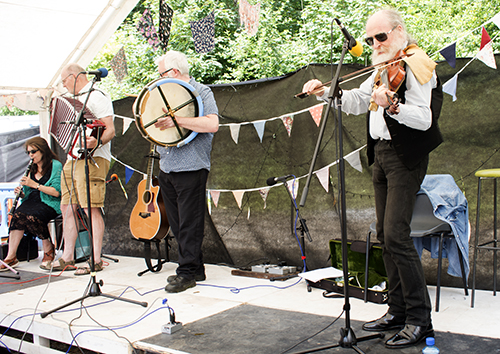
x=292, y=34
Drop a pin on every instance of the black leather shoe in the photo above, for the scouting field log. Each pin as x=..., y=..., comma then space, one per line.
x=197, y=277
x=410, y=335
x=385, y=323
x=180, y=284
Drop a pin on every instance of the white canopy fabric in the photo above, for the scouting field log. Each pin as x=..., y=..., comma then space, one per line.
x=39, y=37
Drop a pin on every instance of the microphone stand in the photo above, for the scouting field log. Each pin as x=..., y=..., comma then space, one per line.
x=348, y=338
x=303, y=230
x=94, y=289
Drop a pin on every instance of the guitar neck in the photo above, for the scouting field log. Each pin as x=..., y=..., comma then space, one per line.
x=150, y=167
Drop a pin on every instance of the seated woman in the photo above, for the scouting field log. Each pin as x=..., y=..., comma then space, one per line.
x=41, y=199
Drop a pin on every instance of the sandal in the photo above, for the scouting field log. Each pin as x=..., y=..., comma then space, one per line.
x=48, y=257
x=10, y=262
x=86, y=270
x=59, y=265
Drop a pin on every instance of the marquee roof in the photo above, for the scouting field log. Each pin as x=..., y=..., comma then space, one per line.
x=39, y=37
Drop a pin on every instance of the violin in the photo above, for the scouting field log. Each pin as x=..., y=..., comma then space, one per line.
x=401, y=56
x=392, y=76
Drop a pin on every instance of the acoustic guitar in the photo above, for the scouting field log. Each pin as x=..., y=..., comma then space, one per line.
x=148, y=220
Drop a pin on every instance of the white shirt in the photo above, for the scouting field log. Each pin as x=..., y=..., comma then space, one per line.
x=100, y=105
x=415, y=113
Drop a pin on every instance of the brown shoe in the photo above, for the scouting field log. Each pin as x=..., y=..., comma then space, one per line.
x=59, y=265
x=47, y=259
x=10, y=262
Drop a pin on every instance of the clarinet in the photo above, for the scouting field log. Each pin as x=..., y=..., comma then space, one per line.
x=14, y=206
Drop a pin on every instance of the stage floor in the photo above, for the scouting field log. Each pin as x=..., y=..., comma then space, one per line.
x=224, y=314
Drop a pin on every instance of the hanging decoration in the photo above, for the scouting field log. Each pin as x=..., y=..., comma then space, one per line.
x=204, y=34
x=119, y=65
x=148, y=30
x=166, y=16
x=249, y=17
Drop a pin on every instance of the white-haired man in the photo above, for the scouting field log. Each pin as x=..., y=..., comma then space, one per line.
x=183, y=176
x=400, y=139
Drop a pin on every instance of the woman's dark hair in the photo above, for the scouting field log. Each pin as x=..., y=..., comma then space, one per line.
x=47, y=154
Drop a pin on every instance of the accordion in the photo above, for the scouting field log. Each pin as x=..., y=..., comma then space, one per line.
x=63, y=115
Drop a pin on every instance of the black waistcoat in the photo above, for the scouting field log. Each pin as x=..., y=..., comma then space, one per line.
x=411, y=145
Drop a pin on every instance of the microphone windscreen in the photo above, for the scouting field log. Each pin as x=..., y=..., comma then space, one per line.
x=271, y=181
x=357, y=50
x=104, y=71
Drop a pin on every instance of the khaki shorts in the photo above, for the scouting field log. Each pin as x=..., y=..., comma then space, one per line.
x=73, y=179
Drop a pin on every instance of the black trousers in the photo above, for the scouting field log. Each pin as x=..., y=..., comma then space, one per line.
x=396, y=188
x=184, y=195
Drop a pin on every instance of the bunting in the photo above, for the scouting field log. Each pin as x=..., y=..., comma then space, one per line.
x=119, y=65
x=148, y=30
x=235, y=132
x=288, y=122
x=215, y=197
x=204, y=33
x=316, y=113
x=166, y=15
x=264, y=192
x=259, y=127
x=450, y=87
x=249, y=17
x=293, y=187
x=238, y=196
x=324, y=177
x=449, y=54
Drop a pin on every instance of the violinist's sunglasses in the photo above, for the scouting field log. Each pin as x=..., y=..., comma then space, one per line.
x=381, y=37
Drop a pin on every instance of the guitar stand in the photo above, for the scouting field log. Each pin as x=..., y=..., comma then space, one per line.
x=147, y=255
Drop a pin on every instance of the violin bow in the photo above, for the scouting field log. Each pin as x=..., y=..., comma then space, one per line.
x=357, y=74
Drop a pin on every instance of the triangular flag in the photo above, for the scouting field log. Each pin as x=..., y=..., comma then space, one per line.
x=126, y=124
x=148, y=30
x=486, y=56
x=264, y=192
x=9, y=101
x=249, y=16
x=449, y=54
x=316, y=113
x=215, y=197
x=235, y=132
x=354, y=161
x=204, y=33
x=259, y=127
x=128, y=173
x=450, y=87
x=238, y=195
x=119, y=65
x=288, y=122
x=496, y=19
x=166, y=15
x=323, y=176
x=485, y=38
x=293, y=187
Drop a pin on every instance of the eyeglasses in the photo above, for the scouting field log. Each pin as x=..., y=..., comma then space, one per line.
x=166, y=71
x=31, y=152
x=381, y=37
x=66, y=78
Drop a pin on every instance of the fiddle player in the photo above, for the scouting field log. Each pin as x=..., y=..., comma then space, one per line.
x=399, y=142
x=183, y=176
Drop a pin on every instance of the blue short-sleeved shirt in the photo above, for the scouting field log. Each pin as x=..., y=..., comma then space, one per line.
x=196, y=154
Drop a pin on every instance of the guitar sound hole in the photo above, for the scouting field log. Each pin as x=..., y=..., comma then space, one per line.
x=146, y=197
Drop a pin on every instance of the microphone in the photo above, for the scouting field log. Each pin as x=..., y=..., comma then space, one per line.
x=102, y=72
x=114, y=177
x=271, y=181
x=355, y=47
